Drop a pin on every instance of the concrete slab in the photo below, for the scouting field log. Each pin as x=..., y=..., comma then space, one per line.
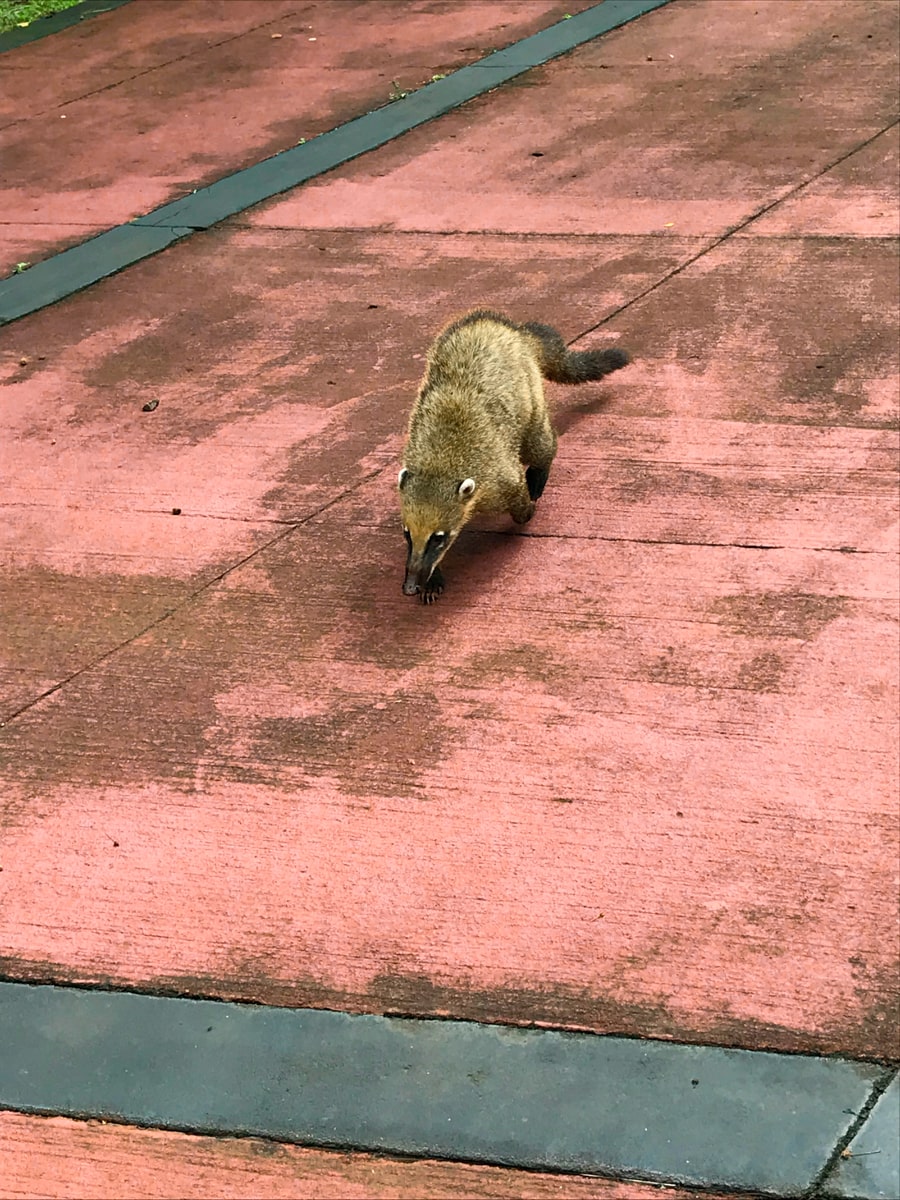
x=331, y=775
x=58, y=1159
x=260, y=701
x=196, y=90
x=645, y=145
x=636, y=772
x=263, y=377
x=533, y=1098
x=869, y=1169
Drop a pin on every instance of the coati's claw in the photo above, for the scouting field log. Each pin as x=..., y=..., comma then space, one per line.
x=433, y=587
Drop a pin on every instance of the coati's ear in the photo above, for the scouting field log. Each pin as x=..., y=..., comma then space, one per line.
x=402, y=478
x=466, y=488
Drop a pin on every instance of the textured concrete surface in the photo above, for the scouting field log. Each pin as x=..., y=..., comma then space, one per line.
x=333, y=779
x=233, y=347
x=637, y=771
x=676, y=126
x=194, y=89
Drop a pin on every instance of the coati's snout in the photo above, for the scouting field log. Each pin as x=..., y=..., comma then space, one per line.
x=430, y=529
x=421, y=563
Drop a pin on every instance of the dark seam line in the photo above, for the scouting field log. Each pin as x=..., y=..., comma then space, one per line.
x=599, y=537
x=400, y=1014
x=878, y=1089
x=462, y=1091
x=399, y=1156
x=187, y=514
x=411, y=1156
x=729, y=233
x=68, y=272
x=170, y=612
x=512, y=234
x=44, y=26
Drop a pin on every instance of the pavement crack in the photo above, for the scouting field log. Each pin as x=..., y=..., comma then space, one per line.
x=599, y=537
x=211, y=516
x=284, y=533
x=735, y=229
x=108, y=87
x=505, y=234
x=878, y=1089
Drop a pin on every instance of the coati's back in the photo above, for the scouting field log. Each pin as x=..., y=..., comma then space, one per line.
x=481, y=389
x=480, y=437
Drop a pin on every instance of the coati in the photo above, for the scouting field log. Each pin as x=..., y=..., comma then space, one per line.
x=480, y=438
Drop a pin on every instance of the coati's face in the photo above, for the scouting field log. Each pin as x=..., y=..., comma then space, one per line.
x=433, y=514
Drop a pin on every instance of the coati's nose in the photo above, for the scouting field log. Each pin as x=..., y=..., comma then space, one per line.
x=411, y=583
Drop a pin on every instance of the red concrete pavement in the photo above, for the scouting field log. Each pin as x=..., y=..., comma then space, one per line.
x=196, y=89
x=637, y=770
x=57, y=1159
x=675, y=125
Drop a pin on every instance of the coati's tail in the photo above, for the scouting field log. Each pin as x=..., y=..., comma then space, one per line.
x=562, y=365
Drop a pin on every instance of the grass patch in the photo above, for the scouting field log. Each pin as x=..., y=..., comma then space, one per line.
x=14, y=13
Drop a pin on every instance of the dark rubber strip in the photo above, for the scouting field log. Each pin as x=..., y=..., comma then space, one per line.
x=60, y=276
x=44, y=26
x=74, y=269
x=527, y=1098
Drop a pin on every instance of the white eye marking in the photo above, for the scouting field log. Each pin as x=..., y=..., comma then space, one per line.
x=466, y=488
x=439, y=533
x=401, y=478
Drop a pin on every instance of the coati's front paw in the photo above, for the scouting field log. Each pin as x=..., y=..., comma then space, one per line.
x=433, y=587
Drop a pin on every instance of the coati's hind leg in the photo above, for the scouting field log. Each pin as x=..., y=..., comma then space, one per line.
x=538, y=450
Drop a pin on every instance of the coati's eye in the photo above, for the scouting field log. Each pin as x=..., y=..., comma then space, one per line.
x=466, y=488
x=408, y=536
x=437, y=540
x=402, y=477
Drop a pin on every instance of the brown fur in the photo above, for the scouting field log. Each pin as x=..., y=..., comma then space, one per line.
x=481, y=416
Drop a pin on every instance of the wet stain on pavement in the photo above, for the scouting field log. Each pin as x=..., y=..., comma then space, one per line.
x=791, y=614
x=762, y=673
x=769, y=358
x=381, y=749
x=640, y=480
x=493, y=667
